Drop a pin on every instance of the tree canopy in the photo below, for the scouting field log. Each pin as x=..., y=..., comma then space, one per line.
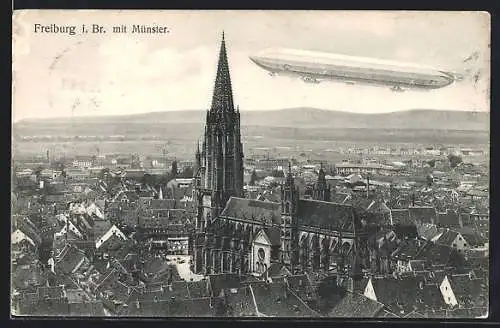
x=454, y=160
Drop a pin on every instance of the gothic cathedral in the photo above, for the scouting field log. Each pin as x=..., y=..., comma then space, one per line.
x=219, y=164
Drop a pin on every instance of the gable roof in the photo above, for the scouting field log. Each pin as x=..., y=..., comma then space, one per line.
x=170, y=308
x=159, y=204
x=427, y=231
x=423, y=214
x=401, y=217
x=443, y=255
x=198, y=289
x=25, y=225
x=149, y=222
x=399, y=295
x=339, y=197
x=468, y=289
x=473, y=238
x=386, y=314
x=449, y=219
x=218, y=282
x=50, y=292
x=414, y=315
x=431, y=296
x=113, y=231
x=301, y=285
x=275, y=300
x=27, y=277
x=276, y=270
x=240, y=302
x=100, y=228
x=447, y=238
x=18, y=236
x=408, y=249
x=354, y=305
x=70, y=259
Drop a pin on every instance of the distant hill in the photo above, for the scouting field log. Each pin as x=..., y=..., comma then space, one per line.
x=417, y=119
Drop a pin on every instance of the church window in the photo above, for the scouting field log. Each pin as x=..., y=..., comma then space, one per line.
x=261, y=254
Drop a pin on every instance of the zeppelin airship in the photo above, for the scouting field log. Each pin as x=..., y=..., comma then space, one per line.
x=314, y=67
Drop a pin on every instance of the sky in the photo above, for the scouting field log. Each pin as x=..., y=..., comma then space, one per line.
x=60, y=75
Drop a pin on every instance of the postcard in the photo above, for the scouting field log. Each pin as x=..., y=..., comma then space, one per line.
x=250, y=164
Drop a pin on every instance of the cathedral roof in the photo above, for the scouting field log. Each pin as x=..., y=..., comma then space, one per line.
x=326, y=215
x=273, y=234
x=253, y=210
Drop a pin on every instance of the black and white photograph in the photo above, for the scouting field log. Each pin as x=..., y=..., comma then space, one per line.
x=250, y=164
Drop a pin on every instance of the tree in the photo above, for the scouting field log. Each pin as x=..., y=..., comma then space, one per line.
x=432, y=163
x=454, y=160
x=253, y=178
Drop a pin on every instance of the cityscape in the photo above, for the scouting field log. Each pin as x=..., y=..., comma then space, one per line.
x=216, y=217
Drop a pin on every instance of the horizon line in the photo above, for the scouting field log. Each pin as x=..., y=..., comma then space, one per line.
x=275, y=109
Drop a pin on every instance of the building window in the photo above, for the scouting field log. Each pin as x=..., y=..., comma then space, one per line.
x=261, y=254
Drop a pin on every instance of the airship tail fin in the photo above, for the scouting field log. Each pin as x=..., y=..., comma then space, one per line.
x=471, y=71
x=473, y=75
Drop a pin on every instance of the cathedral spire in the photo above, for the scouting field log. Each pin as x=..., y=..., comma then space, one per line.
x=198, y=155
x=321, y=176
x=222, y=100
x=221, y=157
x=289, y=178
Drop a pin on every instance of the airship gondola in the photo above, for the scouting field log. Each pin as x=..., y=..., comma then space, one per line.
x=314, y=67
